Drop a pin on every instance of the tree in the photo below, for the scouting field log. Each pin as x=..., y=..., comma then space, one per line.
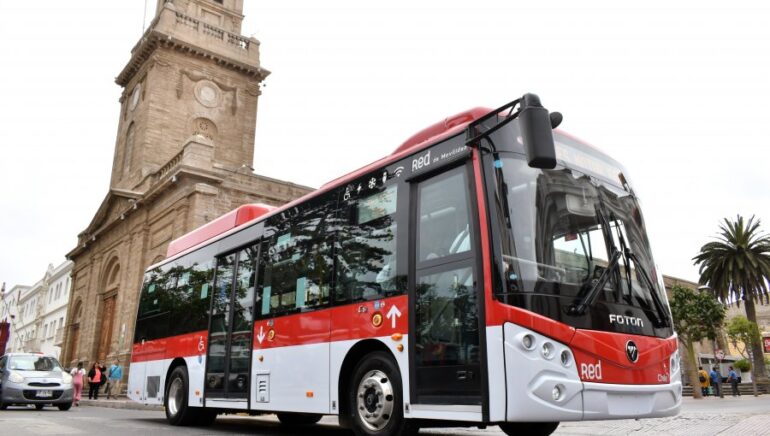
x=742, y=333
x=736, y=266
x=697, y=316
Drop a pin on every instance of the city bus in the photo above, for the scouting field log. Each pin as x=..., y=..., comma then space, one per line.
x=490, y=271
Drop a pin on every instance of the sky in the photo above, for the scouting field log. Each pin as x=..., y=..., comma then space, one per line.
x=678, y=95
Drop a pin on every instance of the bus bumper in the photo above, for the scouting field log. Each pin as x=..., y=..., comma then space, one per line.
x=544, y=386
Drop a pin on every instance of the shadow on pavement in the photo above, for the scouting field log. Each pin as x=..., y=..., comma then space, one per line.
x=245, y=425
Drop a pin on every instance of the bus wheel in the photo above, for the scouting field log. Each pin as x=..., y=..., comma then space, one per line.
x=529, y=428
x=175, y=401
x=292, y=419
x=376, y=400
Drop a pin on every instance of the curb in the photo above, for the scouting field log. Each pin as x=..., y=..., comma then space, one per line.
x=120, y=404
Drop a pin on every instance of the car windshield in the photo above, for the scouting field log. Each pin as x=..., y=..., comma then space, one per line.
x=574, y=248
x=34, y=363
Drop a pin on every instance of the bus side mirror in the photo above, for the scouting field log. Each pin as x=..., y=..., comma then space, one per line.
x=537, y=126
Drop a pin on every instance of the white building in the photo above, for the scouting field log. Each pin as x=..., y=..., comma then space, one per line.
x=39, y=312
x=9, y=313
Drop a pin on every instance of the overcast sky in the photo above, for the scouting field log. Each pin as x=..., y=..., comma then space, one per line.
x=678, y=95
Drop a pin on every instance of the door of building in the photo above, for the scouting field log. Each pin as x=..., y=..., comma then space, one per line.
x=105, y=332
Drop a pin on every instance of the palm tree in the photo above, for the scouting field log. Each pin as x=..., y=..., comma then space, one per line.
x=736, y=266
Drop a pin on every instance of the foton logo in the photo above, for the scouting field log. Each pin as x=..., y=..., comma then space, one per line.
x=626, y=320
x=589, y=371
x=421, y=162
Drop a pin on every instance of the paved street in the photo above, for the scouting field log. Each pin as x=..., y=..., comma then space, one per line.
x=745, y=416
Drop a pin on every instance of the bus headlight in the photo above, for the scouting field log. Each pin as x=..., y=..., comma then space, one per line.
x=528, y=342
x=547, y=350
x=15, y=377
x=565, y=358
x=557, y=392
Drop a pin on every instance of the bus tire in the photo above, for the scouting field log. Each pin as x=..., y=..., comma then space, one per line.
x=376, y=400
x=529, y=428
x=298, y=419
x=175, y=400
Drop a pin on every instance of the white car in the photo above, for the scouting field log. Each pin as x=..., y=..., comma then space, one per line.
x=34, y=378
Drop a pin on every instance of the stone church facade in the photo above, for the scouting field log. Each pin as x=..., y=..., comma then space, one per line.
x=183, y=156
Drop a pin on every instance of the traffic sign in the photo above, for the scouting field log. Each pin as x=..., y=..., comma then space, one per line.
x=720, y=354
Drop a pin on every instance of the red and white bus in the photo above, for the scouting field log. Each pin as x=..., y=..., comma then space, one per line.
x=490, y=271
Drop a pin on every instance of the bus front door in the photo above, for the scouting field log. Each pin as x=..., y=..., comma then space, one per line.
x=230, y=326
x=445, y=343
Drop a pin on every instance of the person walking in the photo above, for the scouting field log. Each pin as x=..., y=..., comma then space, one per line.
x=114, y=376
x=715, y=376
x=94, y=381
x=703, y=378
x=732, y=377
x=77, y=382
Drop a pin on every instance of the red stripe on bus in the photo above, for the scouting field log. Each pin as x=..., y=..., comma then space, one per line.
x=186, y=345
x=367, y=319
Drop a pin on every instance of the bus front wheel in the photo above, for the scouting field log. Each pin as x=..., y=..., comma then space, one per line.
x=376, y=400
x=529, y=428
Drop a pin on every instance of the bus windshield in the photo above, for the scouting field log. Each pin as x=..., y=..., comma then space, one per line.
x=575, y=249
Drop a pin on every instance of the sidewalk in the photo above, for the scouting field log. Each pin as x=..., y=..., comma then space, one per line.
x=118, y=403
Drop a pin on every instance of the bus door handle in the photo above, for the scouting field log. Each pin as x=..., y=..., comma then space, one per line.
x=464, y=375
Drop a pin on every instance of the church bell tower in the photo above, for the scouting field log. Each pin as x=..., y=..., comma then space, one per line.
x=191, y=76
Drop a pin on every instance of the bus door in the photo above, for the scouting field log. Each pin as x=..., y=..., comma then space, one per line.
x=445, y=344
x=230, y=326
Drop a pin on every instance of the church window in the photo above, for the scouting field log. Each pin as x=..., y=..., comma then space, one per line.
x=205, y=128
x=129, y=149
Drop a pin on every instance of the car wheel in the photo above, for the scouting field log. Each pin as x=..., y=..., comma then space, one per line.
x=376, y=400
x=64, y=407
x=299, y=419
x=39, y=406
x=529, y=428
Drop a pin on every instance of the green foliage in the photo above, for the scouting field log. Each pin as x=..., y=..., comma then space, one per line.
x=743, y=365
x=742, y=333
x=697, y=315
x=737, y=265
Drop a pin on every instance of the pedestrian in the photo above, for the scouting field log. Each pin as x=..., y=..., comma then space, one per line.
x=715, y=376
x=94, y=381
x=114, y=376
x=103, y=380
x=703, y=378
x=732, y=377
x=77, y=382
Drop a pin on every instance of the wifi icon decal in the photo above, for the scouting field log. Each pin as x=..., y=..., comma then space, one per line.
x=398, y=171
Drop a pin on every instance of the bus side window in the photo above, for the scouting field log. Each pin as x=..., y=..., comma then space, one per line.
x=296, y=264
x=366, y=247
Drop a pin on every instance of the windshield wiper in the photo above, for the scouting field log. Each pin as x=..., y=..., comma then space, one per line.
x=598, y=285
x=659, y=306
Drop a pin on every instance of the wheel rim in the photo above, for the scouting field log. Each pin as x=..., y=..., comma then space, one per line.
x=175, y=396
x=375, y=400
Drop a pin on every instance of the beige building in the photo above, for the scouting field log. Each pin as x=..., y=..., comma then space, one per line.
x=183, y=156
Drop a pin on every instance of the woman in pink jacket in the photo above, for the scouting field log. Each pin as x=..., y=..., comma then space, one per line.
x=77, y=382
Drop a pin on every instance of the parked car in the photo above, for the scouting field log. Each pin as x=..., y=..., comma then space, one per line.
x=34, y=378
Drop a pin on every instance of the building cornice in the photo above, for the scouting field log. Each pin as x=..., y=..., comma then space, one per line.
x=175, y=30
